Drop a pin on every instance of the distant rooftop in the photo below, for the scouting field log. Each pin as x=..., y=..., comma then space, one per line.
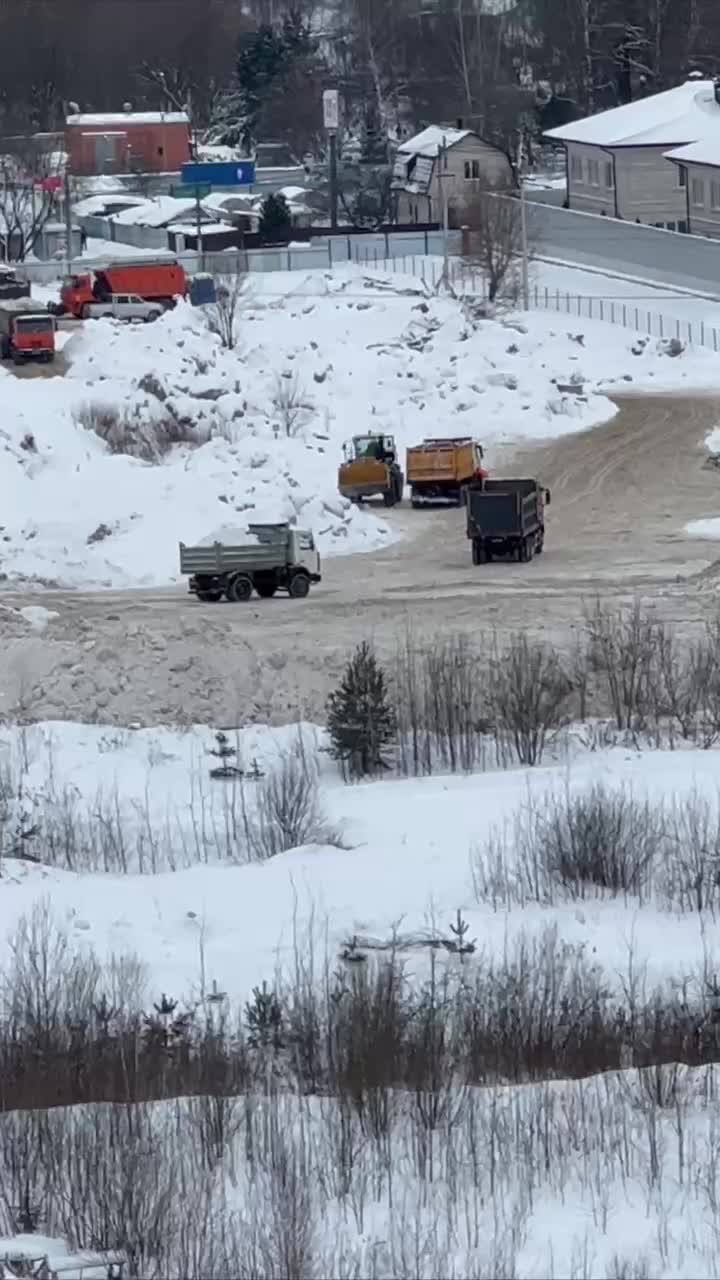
x=687, y=113
x=113, y=119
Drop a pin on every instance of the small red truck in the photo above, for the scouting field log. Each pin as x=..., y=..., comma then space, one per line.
x=161, y=282
x=27, y=332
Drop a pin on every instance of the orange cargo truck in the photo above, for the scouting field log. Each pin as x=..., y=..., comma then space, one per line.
x=160, y=282
x=442, y=470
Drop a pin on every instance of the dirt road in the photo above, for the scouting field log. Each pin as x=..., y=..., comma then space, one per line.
x=621, y=495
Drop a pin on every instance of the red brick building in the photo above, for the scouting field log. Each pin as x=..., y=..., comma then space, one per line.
x=127, y=142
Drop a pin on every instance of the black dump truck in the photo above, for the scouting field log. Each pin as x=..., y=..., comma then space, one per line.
x=506, y=517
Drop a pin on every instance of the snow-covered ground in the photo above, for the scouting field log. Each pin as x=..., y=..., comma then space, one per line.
x=320, y=356
x=410, y=854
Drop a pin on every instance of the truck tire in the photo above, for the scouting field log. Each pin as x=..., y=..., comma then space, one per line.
x=299, y=586
x=390, y=496
x=527, y=548
x=239, y=588
x=209, y=597
x=85, y=312
x=479, y=555
x=540, y=543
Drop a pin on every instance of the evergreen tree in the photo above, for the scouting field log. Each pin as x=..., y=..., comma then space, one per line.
x=275, y=220
x=360, y=719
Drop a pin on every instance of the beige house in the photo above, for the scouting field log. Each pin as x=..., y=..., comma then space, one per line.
x=443, y=163
x=617, y=161
x=698, y=169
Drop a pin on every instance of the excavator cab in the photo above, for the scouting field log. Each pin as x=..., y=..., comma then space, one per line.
x=371, y=468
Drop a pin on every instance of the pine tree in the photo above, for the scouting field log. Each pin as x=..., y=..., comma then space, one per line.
x=275, y=221
x=360, y=719
x=226, y=755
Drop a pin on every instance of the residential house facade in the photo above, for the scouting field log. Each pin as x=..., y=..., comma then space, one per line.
x=617, y=161
x=698, y=170
x=441, y=164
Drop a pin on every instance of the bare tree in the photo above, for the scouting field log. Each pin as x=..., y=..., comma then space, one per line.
x=222, y=315
x=28, y=195
x=493, y=239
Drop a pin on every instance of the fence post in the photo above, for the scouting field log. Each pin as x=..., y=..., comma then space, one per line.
x=690, y=337
x=546, y=299
x=602, y=310
x=649, y=324
x=289, y=260
x=612, y=312
x=637, y=318
x=624, y=316
x=662, y=335
x=557, y=300
x=702, y=333
x=715, y=341
x=568, y=308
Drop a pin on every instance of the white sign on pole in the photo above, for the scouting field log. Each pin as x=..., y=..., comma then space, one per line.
x=331, y=109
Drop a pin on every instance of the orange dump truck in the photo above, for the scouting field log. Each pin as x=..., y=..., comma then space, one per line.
x=442, y=470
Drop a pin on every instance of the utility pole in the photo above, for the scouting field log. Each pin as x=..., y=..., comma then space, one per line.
x=523, y=229
x=331, y=121
x=68, y=223
x=333, y=180
x=442, y=177
x=198, y=229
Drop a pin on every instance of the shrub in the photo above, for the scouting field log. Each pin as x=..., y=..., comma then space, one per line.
x=124, y=432
x=601, y=837
x=529, y=696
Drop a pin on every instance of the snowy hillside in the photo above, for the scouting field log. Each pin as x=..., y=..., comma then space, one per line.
x=261, y=428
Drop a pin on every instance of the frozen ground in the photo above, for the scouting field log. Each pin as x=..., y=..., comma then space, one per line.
x=414, y=853
x=320, y=357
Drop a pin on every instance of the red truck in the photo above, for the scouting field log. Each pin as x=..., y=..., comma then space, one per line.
x=27, y=332
x=153, y=281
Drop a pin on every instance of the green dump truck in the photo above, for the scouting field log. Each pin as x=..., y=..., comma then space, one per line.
x=265, y=558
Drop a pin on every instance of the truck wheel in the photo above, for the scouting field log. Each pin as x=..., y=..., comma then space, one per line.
x=540, y=544
x=239, y=589
x=479, y=555
x=85, y=313
x=299, y=586
x=390, y=495
x=266, y=590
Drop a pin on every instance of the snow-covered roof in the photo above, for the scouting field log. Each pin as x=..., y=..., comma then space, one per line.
x=98, y=204
x=430, y=140
x=707, y=151
x=684, y=114
x=114, y=118
x=155, y=213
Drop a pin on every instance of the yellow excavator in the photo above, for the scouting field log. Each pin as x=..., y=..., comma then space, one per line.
x=371, y=468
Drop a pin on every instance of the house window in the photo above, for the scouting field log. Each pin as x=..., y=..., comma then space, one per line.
x=715, y=195
x=576, y=169
x=681, y=175
x=472, y=169
x=593, y=173
x=609, y=175
x=697, y=191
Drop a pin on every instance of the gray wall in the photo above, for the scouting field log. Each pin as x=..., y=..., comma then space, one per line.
x=688, y=262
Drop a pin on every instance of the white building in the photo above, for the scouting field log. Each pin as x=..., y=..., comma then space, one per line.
x=443, y=163
x=617, y=161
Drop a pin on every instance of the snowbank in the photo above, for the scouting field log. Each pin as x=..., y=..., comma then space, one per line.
x=319, y=358
x=407, y=866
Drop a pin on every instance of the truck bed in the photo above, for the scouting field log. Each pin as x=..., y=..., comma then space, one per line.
x=503, y=508
x=219, y=558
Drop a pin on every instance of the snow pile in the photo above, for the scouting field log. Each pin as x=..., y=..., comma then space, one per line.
x=320, y=357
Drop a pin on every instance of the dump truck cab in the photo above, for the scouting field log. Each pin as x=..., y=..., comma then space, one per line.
x=370, y=468
x=27, y=332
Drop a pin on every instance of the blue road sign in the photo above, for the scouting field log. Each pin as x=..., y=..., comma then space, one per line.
x=225, y=173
